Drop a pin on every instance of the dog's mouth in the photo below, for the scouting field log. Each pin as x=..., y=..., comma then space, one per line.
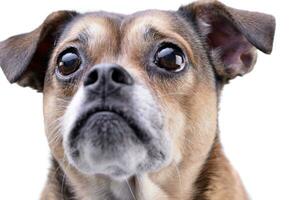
x=111, y=142
x=96, y=119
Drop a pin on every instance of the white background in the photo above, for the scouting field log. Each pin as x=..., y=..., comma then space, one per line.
x=259, y=117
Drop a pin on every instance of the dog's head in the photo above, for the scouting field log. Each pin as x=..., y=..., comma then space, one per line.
x=128, y=95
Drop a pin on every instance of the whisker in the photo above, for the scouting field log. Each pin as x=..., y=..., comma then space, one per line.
x=62, y=186
x=132, y=194
x=171, y=94
x=178, y=174
x=55, y=135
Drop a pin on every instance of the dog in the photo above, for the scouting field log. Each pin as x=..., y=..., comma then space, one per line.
x=131, y=101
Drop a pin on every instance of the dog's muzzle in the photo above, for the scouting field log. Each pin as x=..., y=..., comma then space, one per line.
x=114, y=127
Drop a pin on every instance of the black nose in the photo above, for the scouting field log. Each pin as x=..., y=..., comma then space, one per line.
x=107, y=78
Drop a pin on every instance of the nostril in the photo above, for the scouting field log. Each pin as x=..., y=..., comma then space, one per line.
x=91, y=78
x=121, y=76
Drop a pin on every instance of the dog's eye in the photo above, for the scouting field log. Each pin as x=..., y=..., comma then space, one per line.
x=68, y=62
x=170, y=57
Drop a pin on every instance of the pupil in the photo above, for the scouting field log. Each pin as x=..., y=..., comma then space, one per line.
x=170, y=59
x=70, y=60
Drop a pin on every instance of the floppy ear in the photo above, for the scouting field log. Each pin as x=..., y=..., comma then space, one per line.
x=24, y=58
x=232, y=36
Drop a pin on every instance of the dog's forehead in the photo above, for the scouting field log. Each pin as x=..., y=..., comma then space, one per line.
x=105, y=25
x=151, y=18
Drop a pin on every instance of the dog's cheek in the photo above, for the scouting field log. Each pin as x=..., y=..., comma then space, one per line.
x=201, y=128
x=174, y=102
x=56, y=104
x=175, y=122
x=52, y=122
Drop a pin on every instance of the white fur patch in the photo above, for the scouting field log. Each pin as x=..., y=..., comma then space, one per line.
x=72, y=111
x=122, y=190
x=147, y=190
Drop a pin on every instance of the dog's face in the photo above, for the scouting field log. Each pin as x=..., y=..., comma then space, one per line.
x=124, y=90
x=129, y=95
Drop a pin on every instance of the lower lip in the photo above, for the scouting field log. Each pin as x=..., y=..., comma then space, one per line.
x=107, y=121
x=104, y=126
x=111, y=115
x=106, y=116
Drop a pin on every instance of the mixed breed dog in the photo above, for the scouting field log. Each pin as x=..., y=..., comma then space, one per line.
x=131, y=101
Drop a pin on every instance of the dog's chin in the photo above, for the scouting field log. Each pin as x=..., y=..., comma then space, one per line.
x=106, y=144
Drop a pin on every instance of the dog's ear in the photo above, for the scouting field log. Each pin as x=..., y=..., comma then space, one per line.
x=24, y=58
x=232, y=36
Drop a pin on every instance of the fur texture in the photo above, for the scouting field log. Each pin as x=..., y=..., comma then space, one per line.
x=165, y=122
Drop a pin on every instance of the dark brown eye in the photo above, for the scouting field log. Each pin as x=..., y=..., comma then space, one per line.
x=170, y=57
x=68, y=62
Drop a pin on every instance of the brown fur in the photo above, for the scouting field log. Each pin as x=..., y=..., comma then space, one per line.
x=199, y=170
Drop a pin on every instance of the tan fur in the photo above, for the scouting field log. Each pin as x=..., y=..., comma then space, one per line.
x=193, y=102
x=189, y=103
